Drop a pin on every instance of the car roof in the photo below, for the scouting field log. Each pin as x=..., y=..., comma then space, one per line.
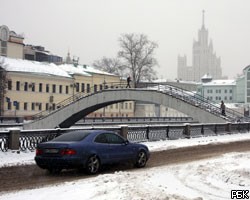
x=92, y=133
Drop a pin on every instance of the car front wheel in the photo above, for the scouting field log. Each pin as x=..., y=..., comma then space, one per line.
x=141, y=159
x=93, y=165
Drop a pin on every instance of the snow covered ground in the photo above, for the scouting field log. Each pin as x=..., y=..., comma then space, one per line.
x=211, y=179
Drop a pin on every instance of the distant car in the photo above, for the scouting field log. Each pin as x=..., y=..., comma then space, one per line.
x=89, y=150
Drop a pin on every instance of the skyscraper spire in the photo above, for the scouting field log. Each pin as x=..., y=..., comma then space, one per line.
x=203, y=18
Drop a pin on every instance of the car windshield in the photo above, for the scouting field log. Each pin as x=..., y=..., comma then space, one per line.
x=72, y=136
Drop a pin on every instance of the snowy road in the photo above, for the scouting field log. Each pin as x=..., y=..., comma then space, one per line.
x=208, y=170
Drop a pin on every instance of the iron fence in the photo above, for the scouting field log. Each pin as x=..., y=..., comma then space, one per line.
x=28, y=139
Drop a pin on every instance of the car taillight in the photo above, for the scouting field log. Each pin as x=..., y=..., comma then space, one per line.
x=39, y=152
x=68, y=152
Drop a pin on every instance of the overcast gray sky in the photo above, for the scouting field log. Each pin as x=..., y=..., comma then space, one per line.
x=90, y=28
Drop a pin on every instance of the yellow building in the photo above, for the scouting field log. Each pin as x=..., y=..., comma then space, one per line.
x=34, y=86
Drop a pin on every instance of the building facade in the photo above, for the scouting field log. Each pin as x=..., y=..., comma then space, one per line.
x=219, y=90
x=38, y=53
x=33, y=87
x=204, y=59
x=11, y=44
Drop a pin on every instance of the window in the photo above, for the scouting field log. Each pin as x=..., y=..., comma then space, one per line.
x=47, y=106
x=88, y=88
x=248, y=75
x=32, y=106
x=225, y=91
x=40, y=87
x=77, y=87
x=67, y=89
x=72, y=136
x=101, y=139
x=26, y=86
x=114, y=139
x=3, y=48
x=83, y=87
x=4, y=44
x=47, y=88
x=9, y=106
x=130, y=106
x=9, y=85
x=33, y=88
x=95, y=88
x=17, y=105
x=25, y=106
x=60, y=89
x=231, y=91
x=54, y=88
x=126, y=105
x=40, y=106
x=100, y=87
x=18, y=85
x=4, y=34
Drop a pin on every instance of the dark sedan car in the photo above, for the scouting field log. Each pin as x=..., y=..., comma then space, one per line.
x=89, y=149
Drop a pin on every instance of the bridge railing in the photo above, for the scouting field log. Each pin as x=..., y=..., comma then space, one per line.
x=113, y=120
x=178, y=93
x=196, y=100
x=24, y=140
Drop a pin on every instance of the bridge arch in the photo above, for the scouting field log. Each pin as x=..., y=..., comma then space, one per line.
x=70, y=114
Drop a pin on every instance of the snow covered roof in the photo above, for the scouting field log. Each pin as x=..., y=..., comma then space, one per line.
x=220, y=82
x=19, y=65
x=71, y=69
x=65, y=70
x=92, y=70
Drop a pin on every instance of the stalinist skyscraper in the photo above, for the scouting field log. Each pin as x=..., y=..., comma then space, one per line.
x=205, y=61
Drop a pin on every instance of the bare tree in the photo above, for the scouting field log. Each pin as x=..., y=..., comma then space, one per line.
x=110, y=65
x=137, y=53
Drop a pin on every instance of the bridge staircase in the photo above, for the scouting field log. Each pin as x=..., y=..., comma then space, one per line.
x=199, y=101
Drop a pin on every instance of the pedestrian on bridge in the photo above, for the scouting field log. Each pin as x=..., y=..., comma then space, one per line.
x=128, y=82
x=223, y=108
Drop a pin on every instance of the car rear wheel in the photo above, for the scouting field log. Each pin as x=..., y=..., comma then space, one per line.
x=93, y=165
x=141, y=159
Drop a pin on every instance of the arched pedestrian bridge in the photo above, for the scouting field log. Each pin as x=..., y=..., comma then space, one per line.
x=77, y=107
